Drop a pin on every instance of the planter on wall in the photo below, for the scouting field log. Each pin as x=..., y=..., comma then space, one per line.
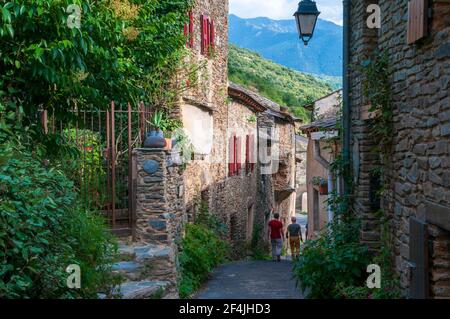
x=169, y=144
x=155, y=139
x=323, y=189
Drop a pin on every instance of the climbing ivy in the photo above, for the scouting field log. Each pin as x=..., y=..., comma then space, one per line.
x=377, y=91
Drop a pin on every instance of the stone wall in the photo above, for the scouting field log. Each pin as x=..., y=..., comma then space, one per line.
x=363, y=44
x=160, y=212
x=420, y=83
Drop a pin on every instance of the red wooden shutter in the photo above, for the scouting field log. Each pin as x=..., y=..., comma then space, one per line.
x=191, y=29
x=252, y=152
x=231, y=156
x=202, y=33
x=205, y=35
x=208, y=36
x=186, y=34
x=238, y=156
x=417, y=20
x=247, y=154
x=213, y=35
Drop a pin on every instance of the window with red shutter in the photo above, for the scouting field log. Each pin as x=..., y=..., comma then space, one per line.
x=238, y=156
x=191, y=29
x=202, y=33
x=231, y=156
x=247, y=154
x=207, y=35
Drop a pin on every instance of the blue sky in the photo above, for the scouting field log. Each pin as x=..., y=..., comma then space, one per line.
x=284, y=9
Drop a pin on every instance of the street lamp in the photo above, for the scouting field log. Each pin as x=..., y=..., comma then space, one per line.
x=306, y=18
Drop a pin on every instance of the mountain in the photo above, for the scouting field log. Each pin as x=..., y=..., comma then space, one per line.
x=278, y=41
x=278, y=83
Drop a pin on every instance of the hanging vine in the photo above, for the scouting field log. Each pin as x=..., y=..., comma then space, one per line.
x=377, y=91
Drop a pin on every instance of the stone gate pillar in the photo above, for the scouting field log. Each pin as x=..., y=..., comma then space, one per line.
x=159, y=206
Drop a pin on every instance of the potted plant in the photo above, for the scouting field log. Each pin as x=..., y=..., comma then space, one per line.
x=322, y=184
x=169, y=126
x=155, y=138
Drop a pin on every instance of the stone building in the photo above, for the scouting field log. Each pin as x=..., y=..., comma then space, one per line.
x=416, y=37
x=275, y=152
x=322, y=148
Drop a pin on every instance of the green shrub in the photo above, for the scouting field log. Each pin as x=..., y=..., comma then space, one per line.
x=202, y=250
x=333, y=260
x=42, y=228
x=259, y=248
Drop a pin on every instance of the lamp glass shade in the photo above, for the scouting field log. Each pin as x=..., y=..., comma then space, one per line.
x=306, y=19
x=306, y=24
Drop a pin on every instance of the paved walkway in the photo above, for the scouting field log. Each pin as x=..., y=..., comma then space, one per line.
x=252, y=280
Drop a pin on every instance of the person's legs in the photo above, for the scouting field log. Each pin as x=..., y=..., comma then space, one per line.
x=274, y=249
x=294, y=247
x=295, y=244
x=279, y=247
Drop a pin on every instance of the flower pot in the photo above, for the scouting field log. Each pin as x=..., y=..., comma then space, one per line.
x=168, y=144
x=155, y=139
x=323, y=189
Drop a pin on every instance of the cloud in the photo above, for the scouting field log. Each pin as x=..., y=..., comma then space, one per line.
x=284, y=9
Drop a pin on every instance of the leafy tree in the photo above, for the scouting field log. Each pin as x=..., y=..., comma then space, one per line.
x=124, y=50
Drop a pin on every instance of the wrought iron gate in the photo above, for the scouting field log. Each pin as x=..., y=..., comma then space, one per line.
x=103, y=142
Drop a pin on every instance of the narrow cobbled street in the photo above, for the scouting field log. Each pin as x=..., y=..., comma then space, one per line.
x=252, y=280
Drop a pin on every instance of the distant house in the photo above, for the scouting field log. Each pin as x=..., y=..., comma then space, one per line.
x=275, y=168
x=321, y=150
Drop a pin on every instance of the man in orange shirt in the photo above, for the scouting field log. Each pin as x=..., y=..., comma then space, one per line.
x=276, y=237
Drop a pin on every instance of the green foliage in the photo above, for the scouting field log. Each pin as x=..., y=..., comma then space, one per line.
x=42, y=227
x=86, y=168
x=334, y=259
x=157, y=120
x=319, y=181
x=202, y=250
x=124, y=51
x=377, y=90
x=277, y=83
x=259, y=248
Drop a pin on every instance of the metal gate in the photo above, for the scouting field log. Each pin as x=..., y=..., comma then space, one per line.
x=102, y=142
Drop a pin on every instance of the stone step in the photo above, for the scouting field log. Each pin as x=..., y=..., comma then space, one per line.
x=140, y=262
x=143, y=252
x=142, y=289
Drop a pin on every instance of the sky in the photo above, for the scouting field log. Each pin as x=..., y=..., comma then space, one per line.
x=284, y=9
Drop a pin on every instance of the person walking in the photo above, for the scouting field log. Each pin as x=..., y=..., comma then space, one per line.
x=276, y=237
x=294, y=235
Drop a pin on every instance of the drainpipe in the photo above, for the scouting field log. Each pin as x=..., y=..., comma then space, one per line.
x=346, y=96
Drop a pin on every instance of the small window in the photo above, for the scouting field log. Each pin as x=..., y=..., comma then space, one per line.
x=231, y=156
x=417, y=20
x=207, y=35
